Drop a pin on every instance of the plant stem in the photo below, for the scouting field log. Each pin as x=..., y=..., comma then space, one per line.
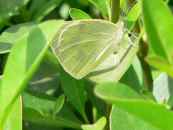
x=109, y=108
x=142, y=54
x=143, y=51
x=85, y=118
x=115, y=10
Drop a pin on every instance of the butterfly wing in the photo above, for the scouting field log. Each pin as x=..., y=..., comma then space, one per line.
x=82, y=45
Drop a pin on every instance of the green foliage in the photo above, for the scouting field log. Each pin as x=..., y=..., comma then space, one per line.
x=99, y=125
x=9, y=8
x=86, y=64
x=42, y=110
x=160, y=38
x=14, y=120
x=78, y=98
x=144, y=109
x=77, y=14
x=25, y=57
x=46, y=7
x=102, y=5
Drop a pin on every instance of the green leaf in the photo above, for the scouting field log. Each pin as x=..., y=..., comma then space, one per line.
x=40, y=110
x=59, y=104
x=111, y=91
x=135, y=72
x=81, y=46
x=122, y=3
x=9, y=8
x=24, y=58
x=17, y=32
x=14, y=119
x=42, y=105
x=75, y=92
x=102, y=6
x=152, y=113
x=122, y=120
x=144, y=110
x=99, y=125
x=46, y=79
x=159, y=27
x=45, y=8
x=13, y=34
x=133, y=15
x=161, y=64
x=99, y=107
x=78, y=14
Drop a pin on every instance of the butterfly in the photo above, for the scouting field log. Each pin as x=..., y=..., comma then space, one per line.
x=82, y=45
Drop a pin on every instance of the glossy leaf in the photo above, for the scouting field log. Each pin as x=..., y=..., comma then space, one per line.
x=80, y=53
x=99, y=125
x=121, y=120
x=77, y=14
x=128, y=101
x=25, y=57
x=116, y=91
x=133, y=15
x=159, y=27
x=14, y=119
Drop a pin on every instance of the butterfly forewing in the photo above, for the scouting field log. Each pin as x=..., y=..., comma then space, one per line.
x=82, y=45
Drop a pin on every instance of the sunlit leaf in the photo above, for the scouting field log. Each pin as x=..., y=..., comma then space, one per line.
x=135, y=105
x=159, y=27
x=14, y=119
x=99, y=125
x=133, y=15
x=78, y=14
x=24, y=58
